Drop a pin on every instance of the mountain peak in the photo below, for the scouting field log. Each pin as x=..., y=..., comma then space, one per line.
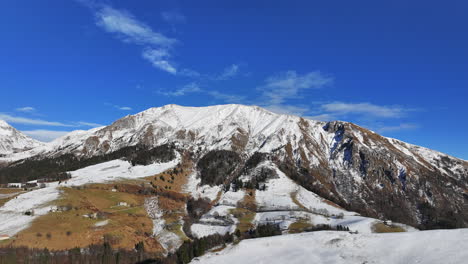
x=4, y=124
x=12, y=140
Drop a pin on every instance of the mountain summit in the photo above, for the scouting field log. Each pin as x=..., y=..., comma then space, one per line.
x=340, y=161
x=12, y=141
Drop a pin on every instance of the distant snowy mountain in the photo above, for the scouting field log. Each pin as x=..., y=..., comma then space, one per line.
x=13, y=141
x=340, y=161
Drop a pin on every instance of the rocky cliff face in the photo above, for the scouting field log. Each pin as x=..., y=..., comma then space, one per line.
x=349, y=165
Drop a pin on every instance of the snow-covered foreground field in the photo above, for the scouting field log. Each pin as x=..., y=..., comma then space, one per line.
x=436, y=246
x=13, y=219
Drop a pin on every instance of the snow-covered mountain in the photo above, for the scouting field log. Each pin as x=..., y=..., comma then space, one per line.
x=13, y=141
x=347, y=164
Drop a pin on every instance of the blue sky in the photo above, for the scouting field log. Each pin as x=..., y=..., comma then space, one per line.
x=396, y=67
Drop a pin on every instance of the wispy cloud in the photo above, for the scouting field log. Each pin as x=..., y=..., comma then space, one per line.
x=228, y=73
x=40, y=122
x=281, y=87
x=129, y=28
x=189, y=73
x=287, y=85
x=173, y=17
x=156, y=46
x=124, y=108
x=159, y=58
x=288, y=109
x=45, y=135
x=322, y=117
x=400, y=127
x=26, y=109
x=366, y=109
x=228, y=98
x=189, y=88
x=119, y=107
x=88, y=124
x=30, y=121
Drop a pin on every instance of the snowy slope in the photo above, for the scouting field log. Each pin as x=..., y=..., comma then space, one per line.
x=11, y=140
x=12, y=216
x=437, y=246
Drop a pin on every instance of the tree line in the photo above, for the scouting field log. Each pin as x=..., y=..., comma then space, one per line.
x=53, y=167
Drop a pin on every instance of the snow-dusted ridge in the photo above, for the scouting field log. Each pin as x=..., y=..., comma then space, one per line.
x=211, y=125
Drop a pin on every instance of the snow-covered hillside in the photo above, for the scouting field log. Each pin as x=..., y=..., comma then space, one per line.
x=12, y=215
x=437, y=246
x=352, y=166
x=12, y=141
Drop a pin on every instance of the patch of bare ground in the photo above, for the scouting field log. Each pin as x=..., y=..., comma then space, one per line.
x=92, y=215
x=383, y=228
x=246, y=211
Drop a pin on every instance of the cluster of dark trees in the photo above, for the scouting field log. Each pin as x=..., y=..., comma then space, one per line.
x=258, y=181
x=342, y=228
x=431, y=218
x=105, y=254
x=55, y=176
x=217, y=165
x=53, y=167
x=264, y=230
x=94, y=254
x=197, y=207
x=197, y=247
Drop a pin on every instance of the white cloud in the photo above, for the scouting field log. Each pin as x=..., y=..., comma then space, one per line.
x=228, y=72
x=288, y=84
x=156, y=46
x=322, y=117
x=366, y=109
x=89, y=124
x=30, y=121
x=288, y=109
x=404, y=126
x=189, y=88
x=45, y=135
x=129, y=28
x=160, y=59
x=119, y=107
x=228, y=98
x=26, y=109
x=125, y=108
x=173, y=17
x=189, y=73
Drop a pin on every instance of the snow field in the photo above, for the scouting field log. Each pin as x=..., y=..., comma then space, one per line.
x=327, y=247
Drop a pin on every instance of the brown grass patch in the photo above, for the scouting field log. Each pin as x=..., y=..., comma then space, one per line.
x=382, y=228
x=64, y=230
x=332, y=204
x=245, y=218
x=172, y=179
x=246, y=211
x=299, y=226
x=10, y=190
x=248, y=202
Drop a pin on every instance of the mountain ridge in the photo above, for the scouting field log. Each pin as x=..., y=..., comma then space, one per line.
x=342, y=162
